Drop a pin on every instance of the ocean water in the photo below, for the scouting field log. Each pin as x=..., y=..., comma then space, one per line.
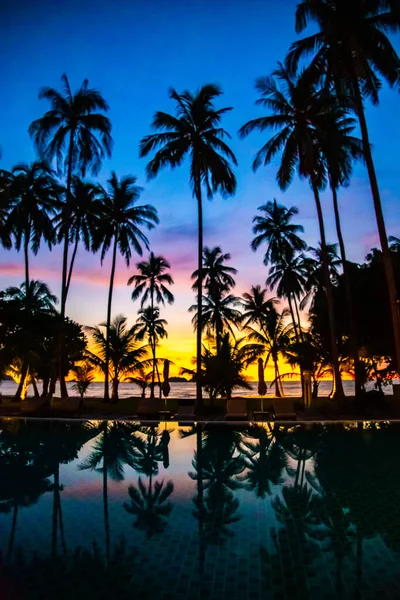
x=188, y=390
x=103, y=510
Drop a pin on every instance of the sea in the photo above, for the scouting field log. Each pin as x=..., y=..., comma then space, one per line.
x=188, y=389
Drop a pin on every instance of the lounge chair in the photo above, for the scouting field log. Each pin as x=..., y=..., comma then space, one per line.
x=185, y=414
x=33, y=404
x=284, y=409
x=149, y=408
x=236, y=409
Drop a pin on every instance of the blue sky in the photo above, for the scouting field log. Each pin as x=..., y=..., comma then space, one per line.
x=132, y=52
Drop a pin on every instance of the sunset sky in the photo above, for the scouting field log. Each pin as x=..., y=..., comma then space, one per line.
x=132, y=52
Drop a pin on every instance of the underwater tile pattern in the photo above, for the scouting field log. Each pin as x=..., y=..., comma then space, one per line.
x=114, y=509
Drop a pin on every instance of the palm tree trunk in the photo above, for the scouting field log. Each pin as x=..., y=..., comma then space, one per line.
x=349, y=300
x=26, y=260
x=277, y=388
x=114, y=393
x=293, y=318
x=13, y=530
x=387, y=259
x=35, y=388
x=71, y=266
x=24, y=372
x=110, y=294
x=338, y=387
x=63, y=386
x=298, y=317
x=45, y=386
x=153, y=346
x=199, y=397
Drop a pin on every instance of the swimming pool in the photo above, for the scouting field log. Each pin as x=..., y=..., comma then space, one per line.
x=211, y=511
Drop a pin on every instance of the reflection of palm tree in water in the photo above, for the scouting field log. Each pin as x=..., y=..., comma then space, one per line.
x=114, y=448
x=264, y=460
x=149, y=502
x=217, y=464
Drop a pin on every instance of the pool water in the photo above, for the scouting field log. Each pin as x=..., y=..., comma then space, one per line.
x=119, y=510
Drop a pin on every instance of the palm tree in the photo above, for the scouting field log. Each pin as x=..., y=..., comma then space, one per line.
x=32, y=196
x=217, y=276
x=274, y=227
x=256, y=305
x=274, y=335
x=150, y=506
x=290, y=279
x=37, y=297
x=83, y=377
x=195, y=132
x=352, y=53
x=149, y=324
x=219, y=314
x=150, y=284
x=78, y=137
x=83, y=210
x=299, y=111
x=314, y=266
x=123, y=352
x=119, y=226
x=142, y=379
x=5, y=180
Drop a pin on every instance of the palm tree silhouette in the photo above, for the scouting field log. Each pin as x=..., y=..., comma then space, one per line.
x=289, y=278
x=83, y=210
x=299, y=111
x=274, y=228
x=113, y=449
x=274, y=335
x=32, y=193
x=5, y=181
x=194, y=131
x=351, y=53
x=119, y=226
x=31, y=302
x=219, y=315
x=217, y=276
x=148, y=324
x=151, y=283
x=124, y=353
x=78, y=138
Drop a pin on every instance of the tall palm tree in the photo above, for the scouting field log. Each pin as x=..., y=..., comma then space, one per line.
x=274, y=227
x=289, y=278
x=124, y=354
x=152, y=283
x=77, y=134
x=32, y=196
x=120, y=225
x=194, y=132
x=298, y=112
x=83, y=210
x=149, y=324
x=219, y=314
x=353, y=53
x=217, y=276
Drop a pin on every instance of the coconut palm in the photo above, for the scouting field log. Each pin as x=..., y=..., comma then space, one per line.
x=32, y=193
x=37, y=297
x=314, y=266
x=298, y=112
x=152, y=283
x=195, y=132
x=120, y=226
x=219, y=314
x=150, y=505
x=142, y=379
x=83, y=378
x=149, y=324
x=274, y=228
x=256, y=305
x=353, y=54
x=217, y=276
x=274, y=334
x=124, y=354
x=83, y=210
x=78, y=138
x=289, y=279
